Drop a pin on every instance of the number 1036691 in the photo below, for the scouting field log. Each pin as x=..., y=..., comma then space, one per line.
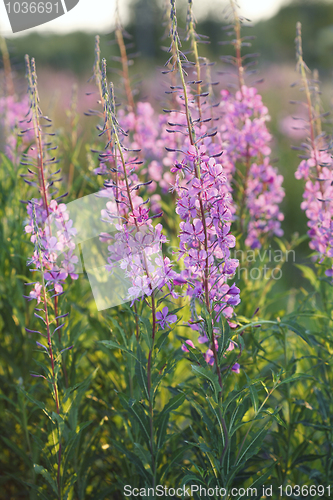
x=32, y=7
x=305, y=491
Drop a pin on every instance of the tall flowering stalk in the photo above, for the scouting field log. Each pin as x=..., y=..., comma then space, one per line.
x=136, y=245
x=51, y=233
x=204, y=207
x=316, y=167
x=194, y=39
x=205, y=240
x=246, y=150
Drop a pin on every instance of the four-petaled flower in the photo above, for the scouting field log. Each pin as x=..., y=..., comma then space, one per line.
x=164, y=318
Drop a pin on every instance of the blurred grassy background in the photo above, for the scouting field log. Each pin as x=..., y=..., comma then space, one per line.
x=63, y=60
x=275, y=37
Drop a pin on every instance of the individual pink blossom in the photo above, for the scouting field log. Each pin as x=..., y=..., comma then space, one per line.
x=36, y=293
x=164, y=318
x=236, y=368
x=209, y=357
x=188, y=342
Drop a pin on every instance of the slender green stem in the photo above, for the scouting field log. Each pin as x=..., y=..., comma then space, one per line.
x=54, y=380
x=150, y=394
x=124, y=61
x=40, y=158
x=285, y=355
x=194, y=45
x=238, y=45
x=118, y=147
x=9, y=84
x=191, y=133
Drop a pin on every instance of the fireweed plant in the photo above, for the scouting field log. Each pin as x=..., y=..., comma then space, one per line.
x=136, y=247
x=316, y=170
x=204, y=206
x=43, y=260
x=53, y=261
x=178, y=385
x=316, y=167
x=234, y=124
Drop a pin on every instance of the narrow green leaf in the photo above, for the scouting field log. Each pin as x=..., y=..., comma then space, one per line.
x=47, y=476
x=162, y=429
x=253, y=394
x=211, y=377
x=161, y=340
x=138, y=414
x=110, y=344
x=120, y=329
x=135, y=460
x=174, y=403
